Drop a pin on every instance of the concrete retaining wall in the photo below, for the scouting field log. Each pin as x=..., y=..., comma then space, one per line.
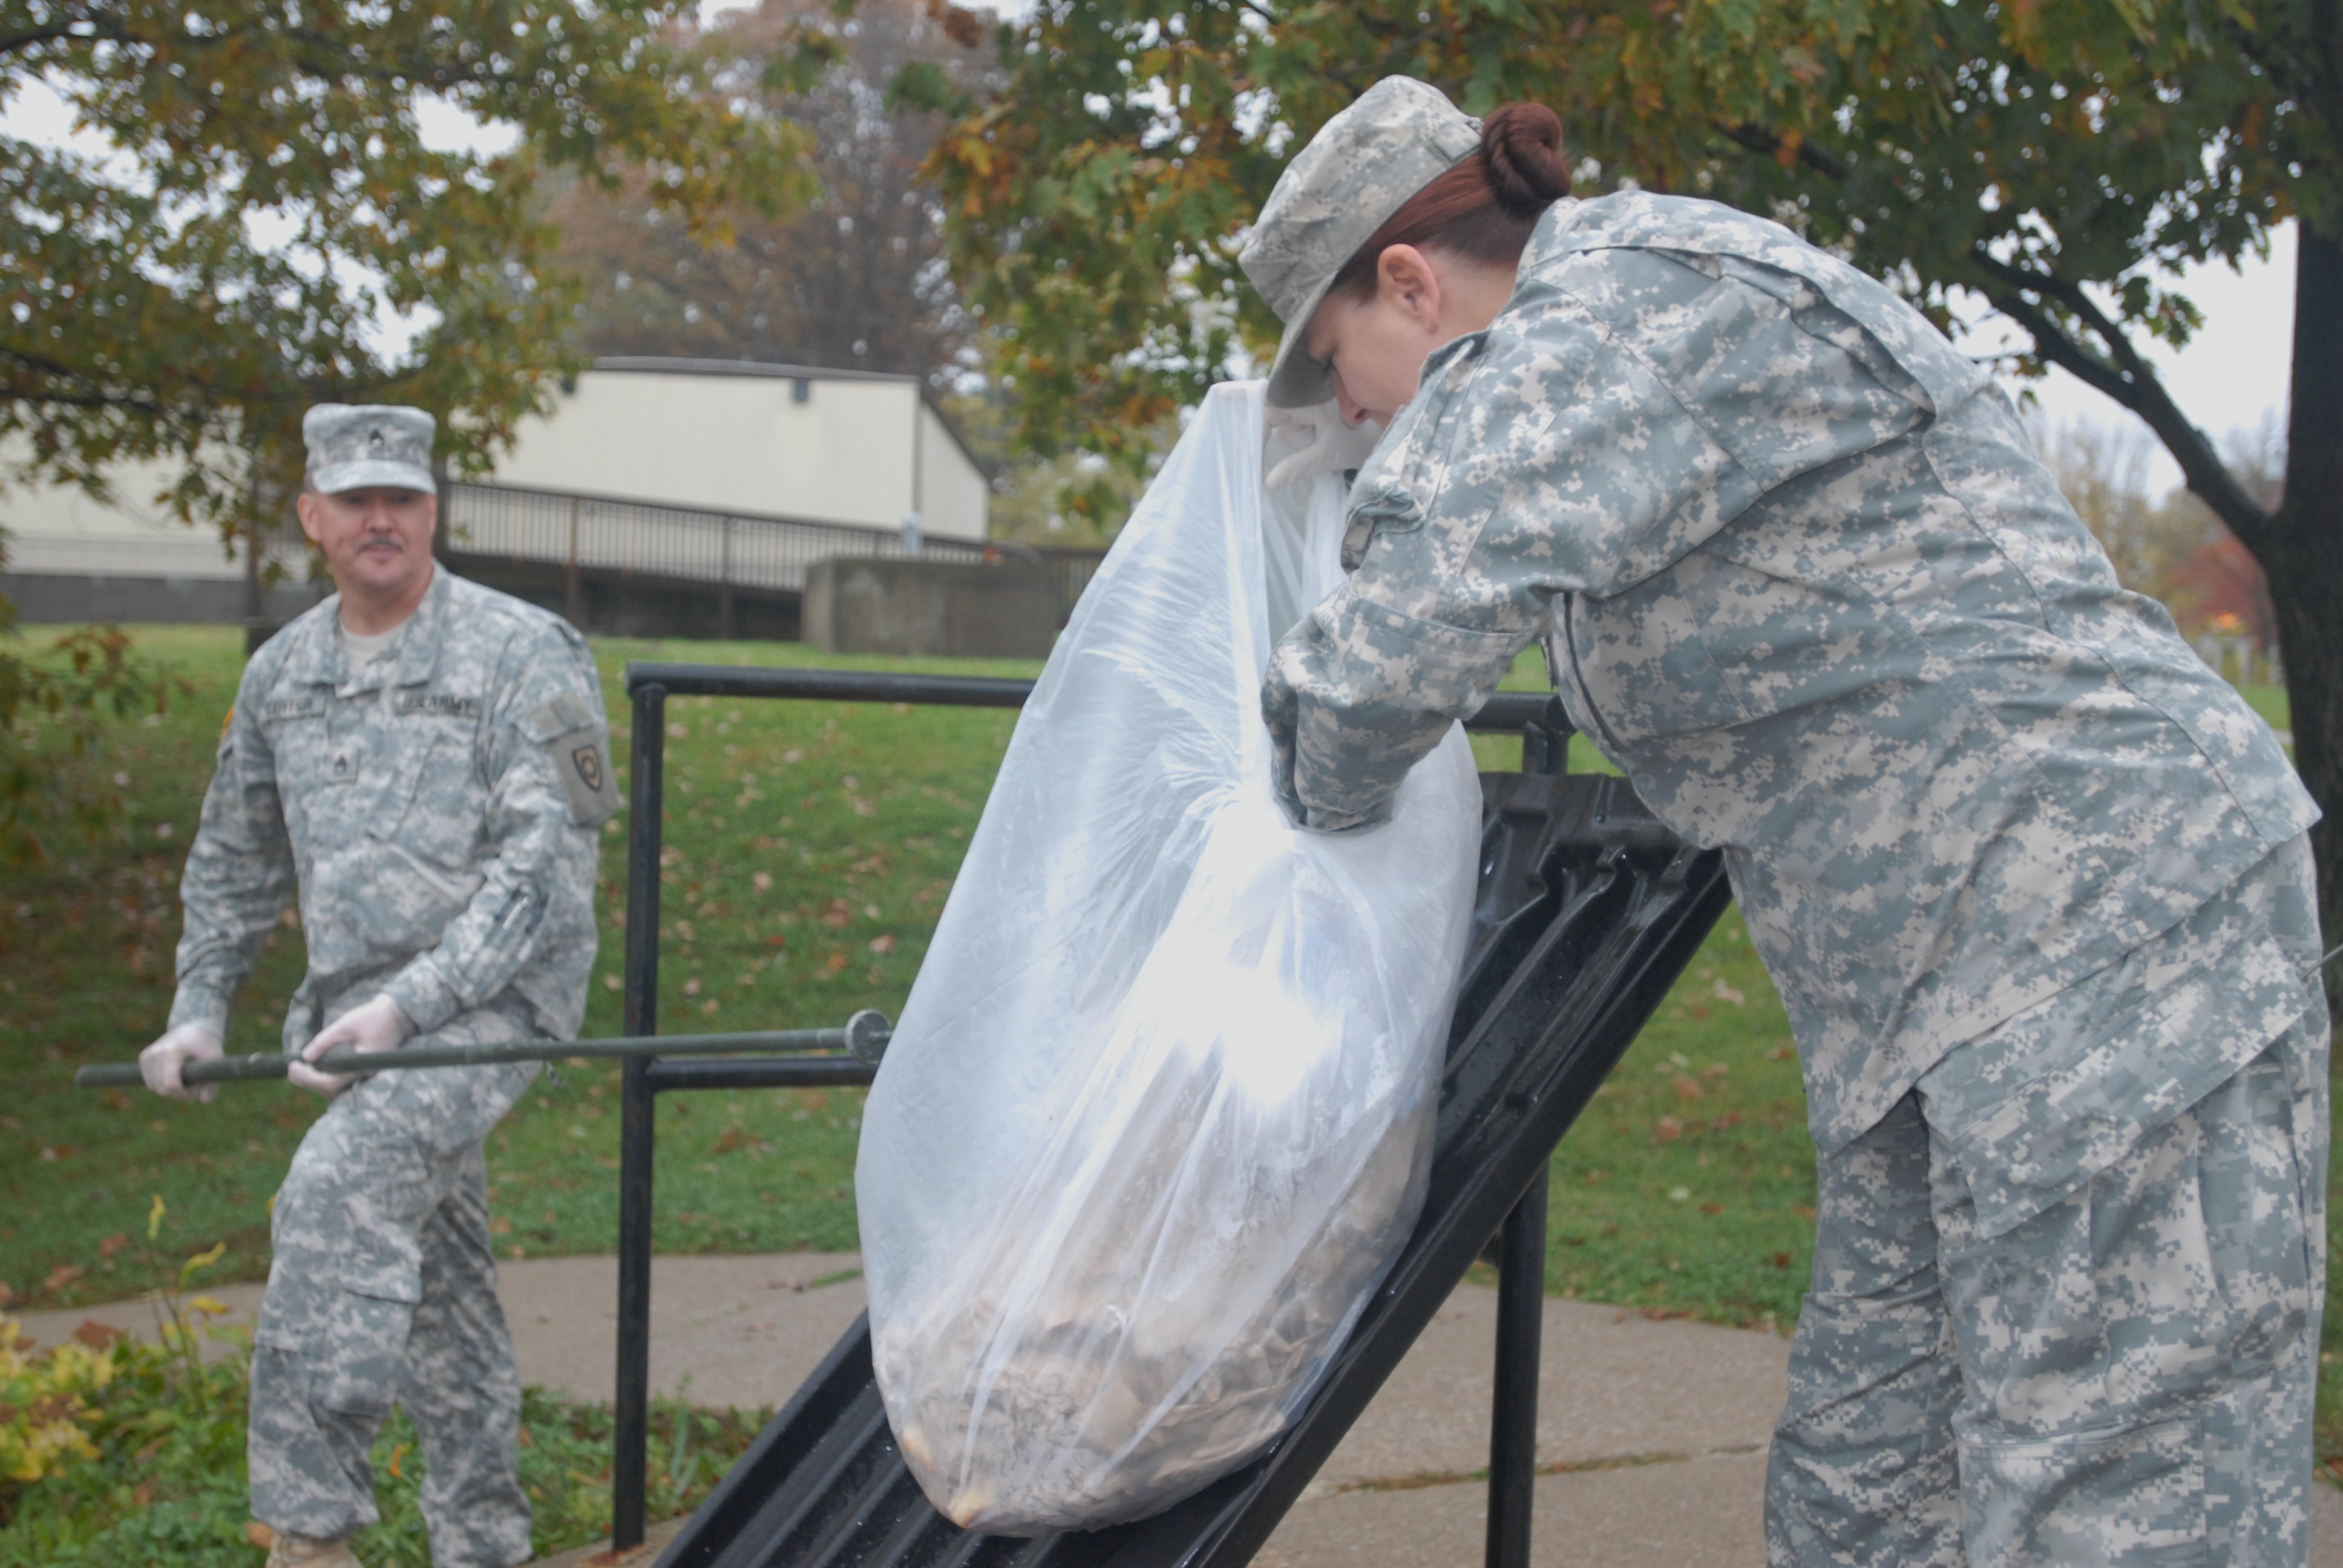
x=44, y=598
x=1008, y=611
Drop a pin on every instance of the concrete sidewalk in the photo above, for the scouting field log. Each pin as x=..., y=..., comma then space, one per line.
x=1651, y=1434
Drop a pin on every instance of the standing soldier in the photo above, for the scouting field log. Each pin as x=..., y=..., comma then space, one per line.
x=426, y=762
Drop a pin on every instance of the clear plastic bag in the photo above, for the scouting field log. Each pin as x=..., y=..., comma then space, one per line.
x=1158, y=1115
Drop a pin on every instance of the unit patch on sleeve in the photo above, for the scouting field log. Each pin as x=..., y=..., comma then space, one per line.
x=571, y=732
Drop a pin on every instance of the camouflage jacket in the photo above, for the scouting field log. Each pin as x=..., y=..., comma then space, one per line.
x=1802, y=578
x=440, y=833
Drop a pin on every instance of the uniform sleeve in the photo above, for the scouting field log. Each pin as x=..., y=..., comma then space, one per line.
x=548, y=759
x=240, y=874
x=1607, y=426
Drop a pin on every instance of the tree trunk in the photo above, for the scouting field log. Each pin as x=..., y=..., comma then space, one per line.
x=2302, y=550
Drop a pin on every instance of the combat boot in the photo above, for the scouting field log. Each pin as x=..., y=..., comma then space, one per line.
x=305, y=1552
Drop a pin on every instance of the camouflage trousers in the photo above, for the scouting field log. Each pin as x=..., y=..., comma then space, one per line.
x=383, y=1289
x=2124, y=1379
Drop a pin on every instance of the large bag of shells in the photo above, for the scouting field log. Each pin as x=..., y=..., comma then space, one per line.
x=1158, y=1115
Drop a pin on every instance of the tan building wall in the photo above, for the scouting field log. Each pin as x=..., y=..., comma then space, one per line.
x=822, y=446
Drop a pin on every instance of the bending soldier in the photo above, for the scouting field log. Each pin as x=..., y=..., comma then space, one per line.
x=2033, y=882
x=425, y=762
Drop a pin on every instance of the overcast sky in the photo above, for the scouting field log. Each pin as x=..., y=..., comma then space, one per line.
x=2229, y=377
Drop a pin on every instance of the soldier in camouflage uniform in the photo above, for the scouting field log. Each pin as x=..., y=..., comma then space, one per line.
x=426, y=762
x=2032, y=880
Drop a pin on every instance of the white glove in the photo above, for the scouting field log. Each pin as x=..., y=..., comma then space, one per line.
x=162, y=1062
x=1326, y=445
x=377, y=1025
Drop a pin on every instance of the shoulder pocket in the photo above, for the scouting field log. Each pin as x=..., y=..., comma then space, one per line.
x=571, y=732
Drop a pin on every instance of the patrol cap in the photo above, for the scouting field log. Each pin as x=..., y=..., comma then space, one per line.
x=355, y=447
x=1361, y=166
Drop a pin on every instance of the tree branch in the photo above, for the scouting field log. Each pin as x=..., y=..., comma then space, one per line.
x=2125, y=377
x=12, y=42
x=1758, y=139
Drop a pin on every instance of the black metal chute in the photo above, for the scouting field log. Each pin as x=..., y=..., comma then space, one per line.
x=1588, y=911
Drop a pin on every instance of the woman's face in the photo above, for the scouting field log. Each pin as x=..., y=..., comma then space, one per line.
x=1375, y=349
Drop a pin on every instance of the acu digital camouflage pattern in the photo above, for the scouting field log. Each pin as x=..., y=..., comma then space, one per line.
x=1360, y=168
x=382, y=1288
x=2125, y=1373
x=353, y=447
x=436, y=811
x=1802, y=578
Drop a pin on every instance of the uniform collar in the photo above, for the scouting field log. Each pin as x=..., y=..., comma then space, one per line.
x=1545, y=239
x=418, y=650
x=317, y=659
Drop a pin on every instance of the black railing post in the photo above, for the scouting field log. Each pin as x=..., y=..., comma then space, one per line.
x=630, y=1424
x=1545, y=740
x=1512, y=1413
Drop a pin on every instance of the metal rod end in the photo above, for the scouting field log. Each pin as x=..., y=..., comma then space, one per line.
x=866, y=1034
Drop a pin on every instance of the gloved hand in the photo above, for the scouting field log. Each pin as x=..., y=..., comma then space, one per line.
x=1326, y=445
x=377, y=1025
x=162, y=1062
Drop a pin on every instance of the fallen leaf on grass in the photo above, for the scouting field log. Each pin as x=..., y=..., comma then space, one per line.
x=731, y=1139
x=1803, y=1210
x=837, y=913
x=1687, y=1087
x=762, y=881
x=98, y=1336
x=1670, y=1130
x=1781, y=1260
x=882, y=944
x=1727, y=993
x=114, y=1243
x=836, y=962
x=1730, y=1119
x=61, y=1276
x=1712, y=1208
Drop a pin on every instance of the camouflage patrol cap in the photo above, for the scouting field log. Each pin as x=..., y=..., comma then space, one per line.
x=1361, y=166
x=356, y=446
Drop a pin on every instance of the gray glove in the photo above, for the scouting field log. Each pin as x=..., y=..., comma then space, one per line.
x=377, y=1025
x=162, y=1062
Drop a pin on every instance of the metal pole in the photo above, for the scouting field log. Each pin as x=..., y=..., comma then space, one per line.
x=573, y=584
x=1512, y=1414
x=863, y=1039
x=724, y=586
x=630, y=1424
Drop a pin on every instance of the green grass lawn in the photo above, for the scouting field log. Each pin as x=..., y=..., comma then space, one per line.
x=809, y=847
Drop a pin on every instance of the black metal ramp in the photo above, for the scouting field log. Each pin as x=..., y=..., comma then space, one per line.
x=1588, y=911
